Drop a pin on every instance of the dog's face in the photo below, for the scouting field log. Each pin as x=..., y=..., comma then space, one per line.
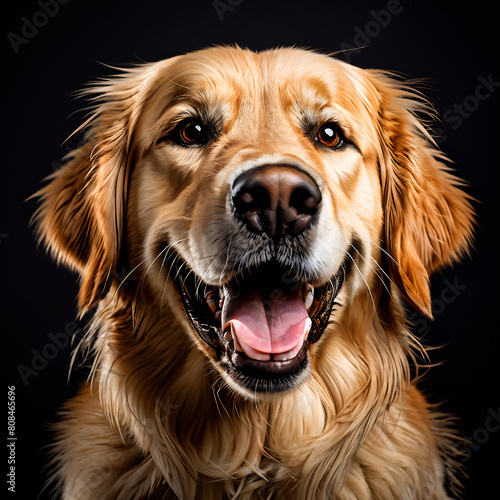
x=273, y=204
x=261, y=195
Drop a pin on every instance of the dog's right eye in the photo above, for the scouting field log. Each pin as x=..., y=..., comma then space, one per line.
x=329, y=135
x=191, y=132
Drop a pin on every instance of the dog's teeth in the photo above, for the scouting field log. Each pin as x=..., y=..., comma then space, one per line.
x=237, y=346
x=212, y=305
x=307, y=328
x=228, y=336
x=308, y=294
x=309, y=300
x=211, y=301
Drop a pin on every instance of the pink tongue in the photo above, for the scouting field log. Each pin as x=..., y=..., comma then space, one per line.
x=263, y=326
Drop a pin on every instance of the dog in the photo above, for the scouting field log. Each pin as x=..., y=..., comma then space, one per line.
x=251, y=230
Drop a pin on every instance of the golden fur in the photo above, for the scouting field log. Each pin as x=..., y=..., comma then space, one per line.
x=159, y=418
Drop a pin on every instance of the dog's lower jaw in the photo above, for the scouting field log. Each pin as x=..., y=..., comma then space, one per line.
x=262, y=389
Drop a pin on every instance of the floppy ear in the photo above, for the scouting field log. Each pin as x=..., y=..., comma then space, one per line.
x=80, y=218
x=428, y=219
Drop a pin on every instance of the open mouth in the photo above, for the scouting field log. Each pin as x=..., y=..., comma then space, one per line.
x=261, y=322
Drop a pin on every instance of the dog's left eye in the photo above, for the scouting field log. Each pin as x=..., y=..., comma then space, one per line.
x=191, y=132
x=330, y=135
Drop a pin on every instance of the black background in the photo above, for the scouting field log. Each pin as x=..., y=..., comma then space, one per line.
x=453, y=45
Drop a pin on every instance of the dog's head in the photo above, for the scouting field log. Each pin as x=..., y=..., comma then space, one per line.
x=260, y=195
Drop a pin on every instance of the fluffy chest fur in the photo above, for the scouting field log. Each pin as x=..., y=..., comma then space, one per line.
x=171, y=416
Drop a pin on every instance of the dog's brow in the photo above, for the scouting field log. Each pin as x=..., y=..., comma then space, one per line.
x=312, y=118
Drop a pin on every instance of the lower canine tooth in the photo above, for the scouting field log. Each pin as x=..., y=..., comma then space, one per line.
x=309, y=299
x=308, y=294
x=307, y=328
x=237, y=346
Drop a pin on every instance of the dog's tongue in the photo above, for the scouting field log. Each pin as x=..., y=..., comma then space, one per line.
x=266, y=322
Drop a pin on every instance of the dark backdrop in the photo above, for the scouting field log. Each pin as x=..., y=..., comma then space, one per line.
x=53, y=49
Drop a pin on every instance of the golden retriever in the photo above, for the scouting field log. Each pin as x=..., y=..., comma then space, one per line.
x=274, y=212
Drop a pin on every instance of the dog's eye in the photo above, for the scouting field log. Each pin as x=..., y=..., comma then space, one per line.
x=330, y=135
x=191, y=132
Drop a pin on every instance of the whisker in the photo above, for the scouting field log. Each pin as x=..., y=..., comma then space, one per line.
x=165, y=251
x=384, y=273
x=387, y=253
x=168, y=277
x=363, y=278
x=166, y=281
x=374, y=270
x=151, y=265
x=127, y=277
x=198, y=286
x=226, y=263
x=217, y=399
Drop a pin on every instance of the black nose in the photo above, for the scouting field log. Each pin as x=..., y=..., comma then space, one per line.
x=277, y=200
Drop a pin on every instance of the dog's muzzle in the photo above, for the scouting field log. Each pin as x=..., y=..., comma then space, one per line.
x=261, y=321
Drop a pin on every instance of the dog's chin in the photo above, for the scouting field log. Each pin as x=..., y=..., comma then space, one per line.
x=260, y=382
x=260, y=324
